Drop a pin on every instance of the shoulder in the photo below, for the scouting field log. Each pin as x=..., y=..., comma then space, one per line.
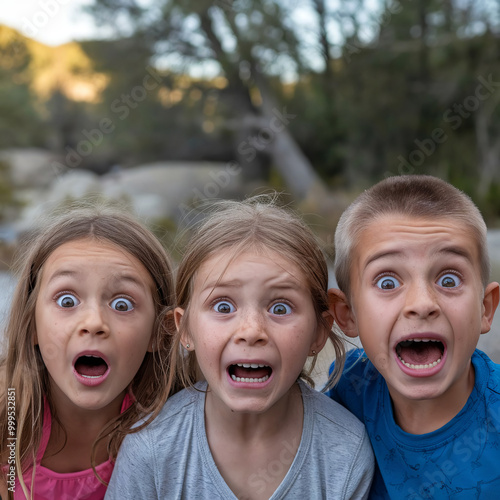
x=178, y=405
x=357, y=375
x=174, y=419
x=337, y=437
x=360, y=386
x=330, y=414
x=486, y=371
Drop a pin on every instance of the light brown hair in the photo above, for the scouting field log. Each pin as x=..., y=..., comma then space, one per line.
x=256, y=223
x=22, y=366
x=420, y=196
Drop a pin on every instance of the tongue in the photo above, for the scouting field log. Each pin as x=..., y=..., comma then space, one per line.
x=420, y=353
x=241, y=372
x=91, y=367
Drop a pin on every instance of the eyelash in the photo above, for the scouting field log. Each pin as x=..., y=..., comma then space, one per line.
x=64, y=292
x=454, y=272
x=385, y=274
x=282, y=301
x=221, y=299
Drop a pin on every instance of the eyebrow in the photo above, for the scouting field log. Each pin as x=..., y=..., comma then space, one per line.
x=381, y=255
x=117, y=278
x=455, y=250
x=62, y=273
x=212, y=286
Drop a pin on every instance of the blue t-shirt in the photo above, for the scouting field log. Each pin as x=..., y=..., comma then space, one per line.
x=461, y=460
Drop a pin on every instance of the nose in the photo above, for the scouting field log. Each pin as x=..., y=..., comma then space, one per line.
x=421, y=300
x=252, y=329
x=94, y=320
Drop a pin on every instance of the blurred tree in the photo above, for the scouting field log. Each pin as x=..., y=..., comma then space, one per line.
x=359, y=89
x=245, y=41
x=19, y=121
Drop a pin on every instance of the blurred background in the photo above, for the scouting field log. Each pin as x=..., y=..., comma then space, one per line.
x=164, y=104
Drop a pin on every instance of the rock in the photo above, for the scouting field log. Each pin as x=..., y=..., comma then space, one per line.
x=30, y=167
x=166, y=189
x=73, y=185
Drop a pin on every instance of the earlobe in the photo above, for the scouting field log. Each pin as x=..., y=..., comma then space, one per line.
x=490, y=303
x=341, y=311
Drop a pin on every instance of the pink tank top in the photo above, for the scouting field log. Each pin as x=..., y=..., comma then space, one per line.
x=50, y=485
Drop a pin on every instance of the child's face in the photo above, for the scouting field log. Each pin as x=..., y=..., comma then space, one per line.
x=94, y=319
x=418, y=304
x=252, y=326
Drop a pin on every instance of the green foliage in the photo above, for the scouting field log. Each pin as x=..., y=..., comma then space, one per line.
x=396, y=93
x=19, y=122
x=8, y=200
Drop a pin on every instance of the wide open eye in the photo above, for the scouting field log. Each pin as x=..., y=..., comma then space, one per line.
x=121, y=304
x=449, y=280
x=67, y=300
x=224, y=307
x=280, y=308
x=388, y=283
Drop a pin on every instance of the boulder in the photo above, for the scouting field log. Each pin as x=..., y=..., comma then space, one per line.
x=30, y=167
x=166, y=189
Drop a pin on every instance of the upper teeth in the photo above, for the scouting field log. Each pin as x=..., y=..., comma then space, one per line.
x=250, y=365
x=423, y=340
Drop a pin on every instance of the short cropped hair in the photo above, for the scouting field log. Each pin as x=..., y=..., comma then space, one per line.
x=422, y=196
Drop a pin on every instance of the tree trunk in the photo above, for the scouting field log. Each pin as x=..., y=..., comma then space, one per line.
x=488, y=149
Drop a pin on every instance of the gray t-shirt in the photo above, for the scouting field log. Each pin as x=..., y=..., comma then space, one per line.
x=171, y=458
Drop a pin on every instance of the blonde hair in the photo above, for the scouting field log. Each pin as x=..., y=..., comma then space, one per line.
x=256, y=223
x=22, y=366
x=421, y=196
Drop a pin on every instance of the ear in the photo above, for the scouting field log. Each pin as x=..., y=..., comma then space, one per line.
x=185, y=337
x=342, y=312
x=490, y=303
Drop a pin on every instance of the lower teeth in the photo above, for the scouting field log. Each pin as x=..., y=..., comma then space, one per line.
x=241, y=379
x=419, y=367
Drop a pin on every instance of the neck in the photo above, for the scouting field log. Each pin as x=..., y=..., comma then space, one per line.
x=73, y=434
x=421, y=416
x=254, y=426
x=246, y=444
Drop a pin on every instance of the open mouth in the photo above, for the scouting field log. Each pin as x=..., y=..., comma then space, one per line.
x=90, y=366
x=249, y=372
x=421, y=353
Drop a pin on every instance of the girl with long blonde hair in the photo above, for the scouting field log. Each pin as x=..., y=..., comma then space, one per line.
x=86, y=350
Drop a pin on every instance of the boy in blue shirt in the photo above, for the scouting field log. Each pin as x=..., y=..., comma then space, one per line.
x=412, y=269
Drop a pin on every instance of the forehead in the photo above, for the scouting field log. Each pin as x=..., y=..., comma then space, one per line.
x=232, y=260
x=75, y=256
x=397, y=234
